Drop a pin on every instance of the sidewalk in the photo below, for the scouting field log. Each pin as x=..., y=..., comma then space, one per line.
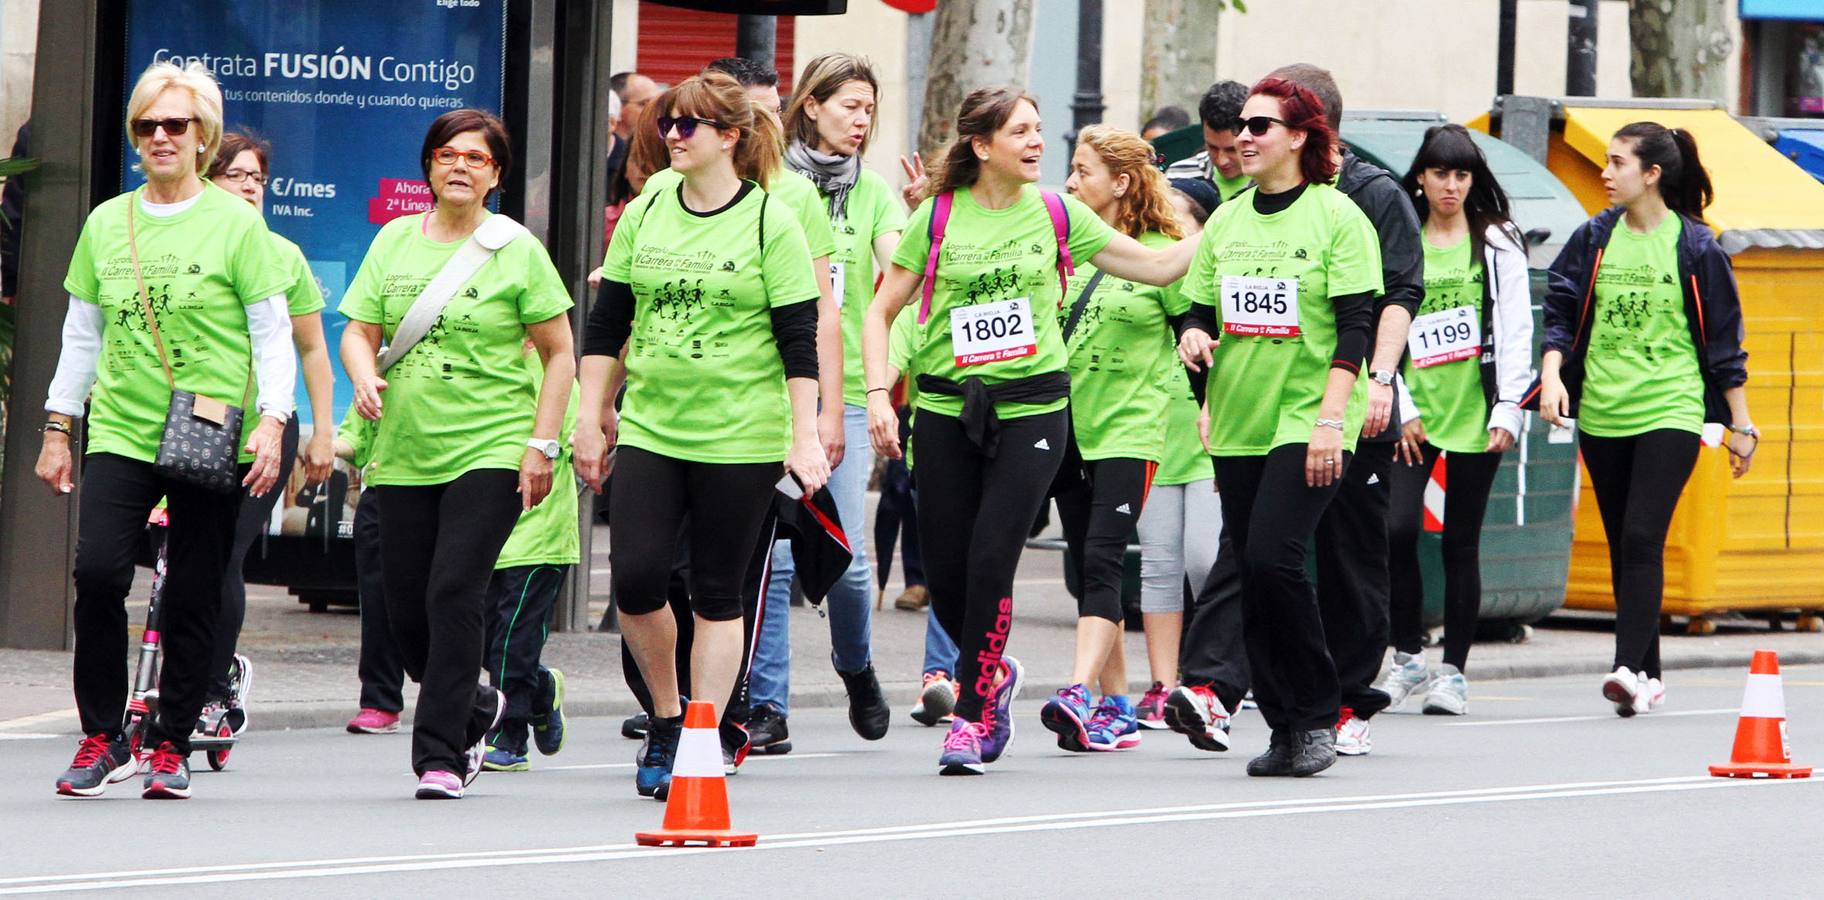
x=305, y=663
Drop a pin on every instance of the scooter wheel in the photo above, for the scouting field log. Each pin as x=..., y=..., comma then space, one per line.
x=218, y=759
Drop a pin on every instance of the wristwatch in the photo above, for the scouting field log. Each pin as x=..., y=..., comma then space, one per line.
x=1748, y=430
x=1382, y=377
x=56, y=426
x=547, y=446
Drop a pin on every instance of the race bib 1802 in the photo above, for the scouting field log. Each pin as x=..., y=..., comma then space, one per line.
x=990, y=332
x=1260, y=307
x=1445, y=336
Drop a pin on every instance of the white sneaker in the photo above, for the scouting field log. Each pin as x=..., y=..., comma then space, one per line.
x=1622, y=688
x=1652, y=695
x=1449, y=693
x=1403, y=676
x=1352, y=737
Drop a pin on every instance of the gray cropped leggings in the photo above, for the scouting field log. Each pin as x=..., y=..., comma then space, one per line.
x=1179, y=531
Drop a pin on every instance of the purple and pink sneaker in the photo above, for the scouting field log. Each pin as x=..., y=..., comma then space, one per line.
x=963, y=749
x=1067, y=715
x=1151, y=710
x=998, y=715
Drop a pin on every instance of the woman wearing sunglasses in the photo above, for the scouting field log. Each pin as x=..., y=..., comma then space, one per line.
x=1643, y=345
x=198, y=265
x=466, y=437
x=240, y=168
x=1287, y=275
x=1119, y=336
x=709, y=287
x=991, y=428
x=1469, y=363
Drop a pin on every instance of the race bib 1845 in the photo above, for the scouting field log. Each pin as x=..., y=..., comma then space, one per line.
x=1445, y=336
x=990, y=332
x=1260, y=307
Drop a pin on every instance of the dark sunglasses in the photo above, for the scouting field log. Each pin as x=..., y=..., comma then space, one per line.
x=1258, y=125
x=145, y=128
x=686, y=125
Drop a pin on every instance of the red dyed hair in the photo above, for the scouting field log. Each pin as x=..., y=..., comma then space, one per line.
x=1302, y=110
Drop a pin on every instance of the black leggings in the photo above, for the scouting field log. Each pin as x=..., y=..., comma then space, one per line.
x=440, y=542
x=974, y=511
x=1268, y=514
x=654, y=495
x=380, y=669
x=256, y=512
x=1098, y=505
x=1638, y=480
x=1472, y=475
x=117, y=495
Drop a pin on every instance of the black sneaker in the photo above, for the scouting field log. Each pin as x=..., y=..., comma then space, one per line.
x=767, y=732
x=634, y=727
x=1277, y=761
x=652, y=765
x=548, y=727
x=868, y=710
x=100, y=761
x=1311, y=752
x=167, y=775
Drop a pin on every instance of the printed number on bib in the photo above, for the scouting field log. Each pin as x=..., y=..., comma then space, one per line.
x=1260, y=307
x=838, y=278
x=1445, y=336
x=990, y=332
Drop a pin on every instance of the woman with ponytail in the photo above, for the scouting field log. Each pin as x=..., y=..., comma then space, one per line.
x=1643, y=345
x=992, y=253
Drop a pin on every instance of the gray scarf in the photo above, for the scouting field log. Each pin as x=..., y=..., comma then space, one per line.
x=834, y=176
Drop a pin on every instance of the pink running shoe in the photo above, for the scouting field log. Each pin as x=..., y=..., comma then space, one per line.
x=374, y=721
x=1151, y=711
x=439, y=785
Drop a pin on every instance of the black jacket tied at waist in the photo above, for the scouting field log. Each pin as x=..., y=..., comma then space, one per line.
x=980, y=422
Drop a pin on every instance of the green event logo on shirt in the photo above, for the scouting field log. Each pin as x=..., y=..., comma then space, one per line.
x=1120, y=352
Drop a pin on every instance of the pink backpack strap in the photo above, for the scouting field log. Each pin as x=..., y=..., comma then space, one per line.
x=1060, y=226
x=940, y=219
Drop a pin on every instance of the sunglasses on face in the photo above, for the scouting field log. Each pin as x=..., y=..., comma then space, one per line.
x=686, y=125
x=447, y=156
x=173, y=127
x=1258, y=125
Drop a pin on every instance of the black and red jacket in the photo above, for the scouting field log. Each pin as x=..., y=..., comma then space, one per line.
x=1713, y=309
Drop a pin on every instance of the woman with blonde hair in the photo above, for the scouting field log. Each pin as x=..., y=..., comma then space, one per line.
x=177, y=286
x=710, y=289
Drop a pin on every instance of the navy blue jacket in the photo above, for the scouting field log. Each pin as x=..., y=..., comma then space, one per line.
x=1713, y=309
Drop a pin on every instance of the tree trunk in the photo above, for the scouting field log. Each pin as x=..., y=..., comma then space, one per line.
x=974, y=43
x=1679, y=48
x=1178, y=56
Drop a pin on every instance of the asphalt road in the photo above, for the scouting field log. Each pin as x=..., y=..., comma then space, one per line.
x=1541, y=792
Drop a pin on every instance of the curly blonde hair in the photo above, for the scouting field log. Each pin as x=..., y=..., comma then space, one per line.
x=1146, y=206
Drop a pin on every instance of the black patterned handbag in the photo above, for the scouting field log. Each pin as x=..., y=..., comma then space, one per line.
x=201, y=443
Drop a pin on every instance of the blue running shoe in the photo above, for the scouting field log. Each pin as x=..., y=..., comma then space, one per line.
x=963, y=749
x=548, y=730
x=503, y=759
x=1114, y=725
x=652, y=772
x=997, y=716
x=1067, y=714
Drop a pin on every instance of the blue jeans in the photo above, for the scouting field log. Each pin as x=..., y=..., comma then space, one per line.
x=940, y=650
x=850, y=602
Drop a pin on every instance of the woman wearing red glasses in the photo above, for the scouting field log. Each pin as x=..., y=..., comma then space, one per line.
x=466, y=439
x=1287, y=275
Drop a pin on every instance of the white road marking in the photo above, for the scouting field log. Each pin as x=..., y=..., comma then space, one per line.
x=1497, y=723
x=328, y=868
x=39, y=719
x=750, y=758
x=26, y=736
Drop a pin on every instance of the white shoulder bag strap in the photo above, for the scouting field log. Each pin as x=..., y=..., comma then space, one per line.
x=495, y=233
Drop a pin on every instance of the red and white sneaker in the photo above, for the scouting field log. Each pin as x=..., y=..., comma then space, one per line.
x=1352, y=737
x=1194, y=711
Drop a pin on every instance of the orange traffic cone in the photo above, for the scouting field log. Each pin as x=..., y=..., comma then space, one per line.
x=696, y=811
x=1761, y=749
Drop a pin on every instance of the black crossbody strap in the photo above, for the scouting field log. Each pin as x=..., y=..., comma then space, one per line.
x=1076, y=309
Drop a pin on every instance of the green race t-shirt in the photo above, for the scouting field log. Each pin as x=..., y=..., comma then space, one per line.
x=203, y=267
x=304, y=297
x=873, y=210
x=704, y=379
x=1268, y=387
x=785, y=186
x=1449, y=395
x=1185, y=460
x=460, y=399
x=1228, y=187
x=546, y=534
x=999, y=256
x=358, y=432
x=1117, y=355
x=1640, y=372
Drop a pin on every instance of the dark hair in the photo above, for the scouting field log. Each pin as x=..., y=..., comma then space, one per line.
x=746, y=71
x=1318, y=81
x=1303, y=110
x=1221, y=104
x=1170, y=118
x=1451, y=147
x=618, y=83
x=462, y=121
x=1203, y=196
x=1683, y=182
x=982, y=114
x=234, y=143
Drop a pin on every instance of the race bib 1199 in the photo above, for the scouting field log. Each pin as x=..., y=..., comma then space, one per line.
x=990, y=332
x=1260, y=307
x=1445, y=336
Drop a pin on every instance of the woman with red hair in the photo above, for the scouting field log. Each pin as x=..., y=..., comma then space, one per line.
x=1287, y=276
